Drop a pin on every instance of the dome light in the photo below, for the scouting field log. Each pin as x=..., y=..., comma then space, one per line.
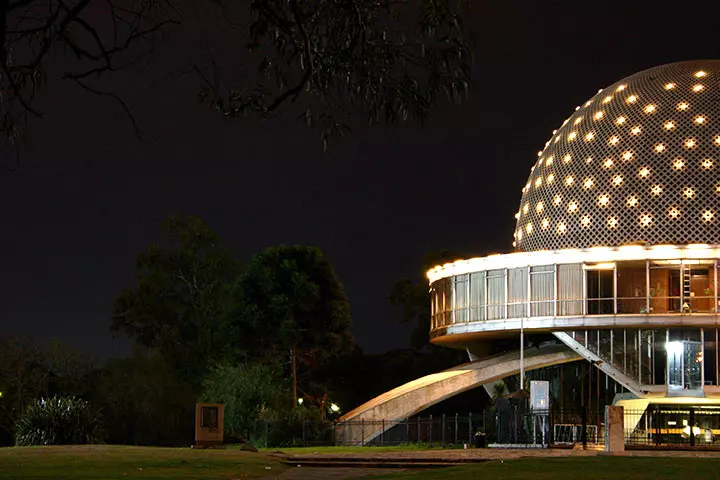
x=621, y=88
x=549, y=161
x=545, y=223
x=644, y=172
x=669, y=125
x=539, y=207
x=561, y=228
x=589, y=137
x=617, y=180
x=569, y=180
x=698, y=88
x=529, y=228
x=678, y=164
x=632, y=201
x=669, y=86
x=599, y=115
x=657, y=190
x=517, y=215
x=567, y=157
x=608, y=163
x=613, y=140
x=707, y=164
x=578, y=120
x=699, y=119
x=557, y=200
x=550, y=178
x=650, y=108
x=635, y=130
x=612, y=222
x=620, y=120
x=588, y=183
x=674, y=212
x=683, y=106
x=603, y=200
x=627, y=155
x=572, y=207
x=690, y=143
x=607, y=99
x=659, y=148
x=572, y=136
x=708, y=215
x=645, y=220
x=585, y=222
x=631, y=99
x=689, y=192
x=700, y=74
x=526, y=208
x=538, y=182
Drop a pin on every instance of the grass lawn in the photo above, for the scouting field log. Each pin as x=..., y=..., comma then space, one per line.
x=360, y=450
x=100, y=462
x=585, y=468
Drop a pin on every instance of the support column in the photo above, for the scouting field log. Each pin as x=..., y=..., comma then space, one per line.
x=614, y=429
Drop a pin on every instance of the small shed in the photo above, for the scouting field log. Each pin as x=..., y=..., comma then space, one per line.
x=208, y=424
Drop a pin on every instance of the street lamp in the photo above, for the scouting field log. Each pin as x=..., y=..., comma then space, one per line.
x=300, y=401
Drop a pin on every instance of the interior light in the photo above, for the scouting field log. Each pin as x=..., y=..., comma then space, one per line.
x=578, y=120
x=659, y=147
x=669, y=125
x=717, y=140
x=599, y=266
x=557, y=199
x=599, y=115
x=635, y=130
x=632, y=201
x=612, y=222
x=567, y=157
x=538, y=182
x=608, y=163
x=650, y=108
x=708, y=215
x=621, y=88
x=589, y=136
x=620, y=120
x=631, y=99
x=675, y=348
x=690, y=143
x=613, y=140
x=529, y=227
x=683, y=106
x=645, y=220
x=707, y=163
x=572, y=136
x=644, y=172
x=572, y=207
x=669, y=86
x=569, y=181
x=627, y=155
x=561, y=228
x=545, y=223
x=674, y=212
x=689, y=192
x=588, y=183
x=657, y=190
x=698, y=88
x=550, y=178
x=700, y=74
x=539, y=207
x=526, y=208
x=603, y=200
x=617, y=180
x=585, y=222
x=678, y=164
x=549, y=161
x=699, y=119
x=607, y=99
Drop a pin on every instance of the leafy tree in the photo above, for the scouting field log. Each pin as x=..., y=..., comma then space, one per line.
x=250, y=392
x=292, y=304
x=58, y=421
x=101, y=38
x=379, y=61
x=182, y=295
x=23, y=378
x=144, y=403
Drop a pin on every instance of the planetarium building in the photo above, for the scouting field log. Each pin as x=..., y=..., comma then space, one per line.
x=616, y=244
x=614, y=269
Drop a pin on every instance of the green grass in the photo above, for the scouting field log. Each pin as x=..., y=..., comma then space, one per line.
x=101, y=462
x=359, y=450
x=585, y=468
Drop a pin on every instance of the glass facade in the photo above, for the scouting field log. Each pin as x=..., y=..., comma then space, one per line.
x=621, y=288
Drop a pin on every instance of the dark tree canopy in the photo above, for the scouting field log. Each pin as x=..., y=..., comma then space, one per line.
x=182, y=295
x=290, y=298
x=379, y=61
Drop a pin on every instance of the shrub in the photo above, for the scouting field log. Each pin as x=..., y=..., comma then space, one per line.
x=58, y=421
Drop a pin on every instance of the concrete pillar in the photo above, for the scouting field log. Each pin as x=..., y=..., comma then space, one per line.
x=614, y=429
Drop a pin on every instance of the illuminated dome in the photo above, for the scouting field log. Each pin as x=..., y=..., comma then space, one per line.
x=637, y=163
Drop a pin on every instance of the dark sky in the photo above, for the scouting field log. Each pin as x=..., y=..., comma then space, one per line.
x=88, y=196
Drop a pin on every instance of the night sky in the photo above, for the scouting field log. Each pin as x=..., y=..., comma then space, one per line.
x=87, y=195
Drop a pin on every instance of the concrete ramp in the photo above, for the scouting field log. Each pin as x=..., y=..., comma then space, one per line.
x=367, y=421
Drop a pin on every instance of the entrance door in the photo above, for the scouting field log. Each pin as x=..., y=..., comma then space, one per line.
x=684, y=365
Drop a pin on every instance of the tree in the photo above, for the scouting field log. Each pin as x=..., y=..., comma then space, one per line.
x=183, y=292
x=379, y=61
x=99, y=36
x=292, y=303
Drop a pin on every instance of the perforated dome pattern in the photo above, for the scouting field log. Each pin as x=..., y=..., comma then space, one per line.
x=637, y=163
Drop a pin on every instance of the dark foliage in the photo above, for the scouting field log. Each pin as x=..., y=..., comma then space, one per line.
x=58, y=421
